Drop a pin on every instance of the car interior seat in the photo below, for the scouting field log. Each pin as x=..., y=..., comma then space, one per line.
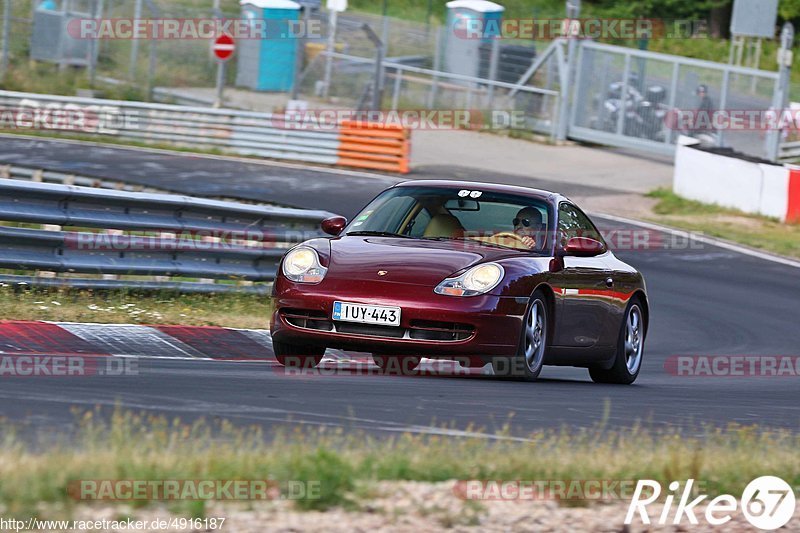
x=444, y=225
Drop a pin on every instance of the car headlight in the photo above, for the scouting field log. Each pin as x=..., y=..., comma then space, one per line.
x=302, y=266
x=477, y=280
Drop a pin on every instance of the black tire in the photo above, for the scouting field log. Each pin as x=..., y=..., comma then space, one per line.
x=294, y=356
x=527, y=364
x=624, y=371
x=397, y=364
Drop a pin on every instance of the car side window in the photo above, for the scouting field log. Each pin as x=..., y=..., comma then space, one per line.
x=573, y=223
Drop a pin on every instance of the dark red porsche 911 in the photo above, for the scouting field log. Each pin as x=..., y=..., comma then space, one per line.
x=476, y=272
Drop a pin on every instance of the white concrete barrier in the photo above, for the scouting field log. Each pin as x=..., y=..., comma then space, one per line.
x=758, y=188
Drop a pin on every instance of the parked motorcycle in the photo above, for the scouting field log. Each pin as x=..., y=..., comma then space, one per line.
x=644, y=115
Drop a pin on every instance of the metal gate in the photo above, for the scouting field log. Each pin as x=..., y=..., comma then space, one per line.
x=628, y=98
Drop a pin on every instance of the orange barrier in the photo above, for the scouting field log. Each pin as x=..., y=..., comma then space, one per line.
x=374, y=146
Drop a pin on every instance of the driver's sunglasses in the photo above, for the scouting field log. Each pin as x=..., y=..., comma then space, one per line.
x=525, y=222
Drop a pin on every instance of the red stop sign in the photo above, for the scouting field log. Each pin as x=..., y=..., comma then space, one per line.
x=223, y=47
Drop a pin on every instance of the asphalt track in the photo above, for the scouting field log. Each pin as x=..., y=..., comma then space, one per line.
x=705, y=300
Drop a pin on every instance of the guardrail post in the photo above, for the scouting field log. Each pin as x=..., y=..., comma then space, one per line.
x=37, y=175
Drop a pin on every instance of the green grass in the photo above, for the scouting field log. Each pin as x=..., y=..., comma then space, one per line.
x=751, y=230
x=672, y=204
x=69, y=305
x=44, y=78
x=346, y=463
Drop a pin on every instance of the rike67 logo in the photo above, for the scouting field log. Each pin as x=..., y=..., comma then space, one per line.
x=768, y=503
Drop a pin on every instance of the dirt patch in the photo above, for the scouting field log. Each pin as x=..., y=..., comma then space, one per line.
x=411, y=507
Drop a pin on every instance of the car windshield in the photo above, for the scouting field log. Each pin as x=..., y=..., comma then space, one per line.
x=438, y=213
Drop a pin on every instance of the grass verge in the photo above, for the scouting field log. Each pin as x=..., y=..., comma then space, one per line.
x=750, y=230
x=130, y=446
x=68, y=305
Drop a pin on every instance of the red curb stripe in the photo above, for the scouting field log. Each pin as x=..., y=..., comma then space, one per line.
x=19, y=337
x=793, y=203
x=218, y=343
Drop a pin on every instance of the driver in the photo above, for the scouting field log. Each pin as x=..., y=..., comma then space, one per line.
x=529, y=226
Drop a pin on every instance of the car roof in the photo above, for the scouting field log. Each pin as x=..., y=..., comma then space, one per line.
x=490, y=187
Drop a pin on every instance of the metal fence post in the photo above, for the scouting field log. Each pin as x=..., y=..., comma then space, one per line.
x=437, y=60
x=377, y=84
x=137, y=14
x=573, y=12
x=332, y=13
x=494, y=58
x=299, y=54
x=151, y=69
x=723, y=102
x=398, y=80
x=6, y=39
x=385, y=27
x=781, y=96
x=623, y=105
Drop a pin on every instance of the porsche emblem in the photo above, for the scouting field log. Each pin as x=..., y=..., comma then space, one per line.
x=382, y=272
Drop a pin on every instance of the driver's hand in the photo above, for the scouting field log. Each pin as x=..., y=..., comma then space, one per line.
x=529, y=241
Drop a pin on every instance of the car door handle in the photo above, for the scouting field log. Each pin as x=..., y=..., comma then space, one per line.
x=609, y=282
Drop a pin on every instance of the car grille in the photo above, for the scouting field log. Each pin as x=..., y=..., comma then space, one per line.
x=439, y=331
x=306, y=319
x=426, y=330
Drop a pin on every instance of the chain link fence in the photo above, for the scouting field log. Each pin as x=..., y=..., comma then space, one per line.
x=37, y=32
x=622, y=96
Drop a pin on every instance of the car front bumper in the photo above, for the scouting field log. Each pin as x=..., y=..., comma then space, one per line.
x=431, y=325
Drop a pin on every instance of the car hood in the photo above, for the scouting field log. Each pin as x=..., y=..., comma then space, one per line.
x=410, y=261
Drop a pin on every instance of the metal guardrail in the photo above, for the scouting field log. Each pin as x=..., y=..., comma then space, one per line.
x=789, y=151
x=250, y=133
x=189, y=244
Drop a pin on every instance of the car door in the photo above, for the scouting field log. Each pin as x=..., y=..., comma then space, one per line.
x=581, y=286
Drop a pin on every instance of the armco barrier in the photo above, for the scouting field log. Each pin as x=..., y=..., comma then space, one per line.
x=202, y=245
x=759, y=188
x=240, y=132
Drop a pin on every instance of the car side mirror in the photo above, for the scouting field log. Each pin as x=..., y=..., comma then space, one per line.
x=584, y=247
x=333, y=225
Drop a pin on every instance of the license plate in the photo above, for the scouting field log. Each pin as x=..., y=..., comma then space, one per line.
x=366, y=314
